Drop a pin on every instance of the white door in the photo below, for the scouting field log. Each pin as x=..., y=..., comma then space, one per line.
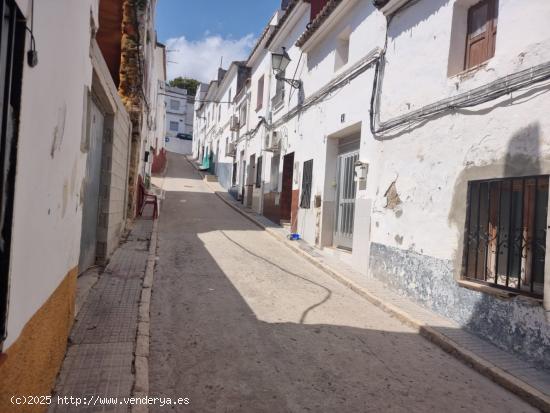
x=345, y=207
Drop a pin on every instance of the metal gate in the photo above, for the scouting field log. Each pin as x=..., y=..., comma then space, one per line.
x=345, y=209
x=90, y=211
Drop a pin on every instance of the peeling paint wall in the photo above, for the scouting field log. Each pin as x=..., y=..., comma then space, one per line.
x=419, y=250
x=516, y=324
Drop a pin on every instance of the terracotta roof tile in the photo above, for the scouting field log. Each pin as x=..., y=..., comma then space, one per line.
x=318, y=21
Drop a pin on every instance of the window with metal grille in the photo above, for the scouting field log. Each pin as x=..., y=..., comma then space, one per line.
x=174, y=126
x=307, y=179
x=12, y=44
x=259, y=173
x=482, y=32
x=505, y=243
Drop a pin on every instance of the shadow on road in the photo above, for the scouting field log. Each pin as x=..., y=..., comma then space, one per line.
x=236, y=328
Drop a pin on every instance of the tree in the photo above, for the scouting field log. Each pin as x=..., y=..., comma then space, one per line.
x=190, y=85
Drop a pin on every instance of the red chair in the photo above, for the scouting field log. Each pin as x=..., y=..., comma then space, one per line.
x=148, y=199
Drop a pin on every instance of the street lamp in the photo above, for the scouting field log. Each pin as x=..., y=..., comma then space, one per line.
x=279, y=63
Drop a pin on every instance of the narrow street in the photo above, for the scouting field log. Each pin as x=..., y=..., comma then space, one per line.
x=239, y=323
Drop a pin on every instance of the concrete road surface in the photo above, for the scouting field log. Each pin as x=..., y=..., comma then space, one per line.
x=239, y=323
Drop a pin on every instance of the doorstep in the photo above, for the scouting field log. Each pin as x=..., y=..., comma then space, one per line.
x=522, y=378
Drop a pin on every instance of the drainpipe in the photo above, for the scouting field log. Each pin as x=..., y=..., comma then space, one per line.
x=268, y=121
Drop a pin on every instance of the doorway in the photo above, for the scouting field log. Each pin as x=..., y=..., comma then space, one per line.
x=12, y=47
x=250, y=180
x=242, y=176
x=90, y=210
x=345, y=203
x=286, y=191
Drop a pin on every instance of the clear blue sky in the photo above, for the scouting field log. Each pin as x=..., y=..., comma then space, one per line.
x=193, y=18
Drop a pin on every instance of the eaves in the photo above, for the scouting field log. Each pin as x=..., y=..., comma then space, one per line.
x=392, y=6
x=328, y=17
x=287, y=23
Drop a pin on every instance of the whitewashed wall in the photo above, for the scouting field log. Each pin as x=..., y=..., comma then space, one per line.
x=50, y=166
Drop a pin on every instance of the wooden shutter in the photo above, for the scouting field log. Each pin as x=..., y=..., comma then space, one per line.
x=482, y=30
x=260, y=95
x=307, y=179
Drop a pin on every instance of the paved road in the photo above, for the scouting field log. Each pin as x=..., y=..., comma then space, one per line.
x=241, y=324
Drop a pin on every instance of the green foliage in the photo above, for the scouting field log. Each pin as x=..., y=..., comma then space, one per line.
x=185, y=83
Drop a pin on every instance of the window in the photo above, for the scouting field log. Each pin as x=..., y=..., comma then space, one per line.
x=12, y=44
x=174, y=104
x=307, y=179
x=259, y=173
x=174, y=126
x=279, y=91
x=505, y=243
x=482, y=31
x=242, y=115
x=219, y=112
x=229, y=99
x=342, y=49
x=260, y=93
x=274, y=177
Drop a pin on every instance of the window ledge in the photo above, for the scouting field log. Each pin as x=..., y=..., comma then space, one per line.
x=469, y=73
x=497, y=292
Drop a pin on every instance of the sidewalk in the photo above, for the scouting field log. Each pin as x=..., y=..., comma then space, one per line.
x=522, y=378
x=100, y=359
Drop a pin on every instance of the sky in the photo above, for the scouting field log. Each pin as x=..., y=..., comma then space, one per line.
x=198, y=33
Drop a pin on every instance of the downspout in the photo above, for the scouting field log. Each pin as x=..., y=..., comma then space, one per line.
x=267, y=129
x=374, y=113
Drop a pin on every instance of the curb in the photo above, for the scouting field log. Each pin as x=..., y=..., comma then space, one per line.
x=495, y=373
x=141, y=354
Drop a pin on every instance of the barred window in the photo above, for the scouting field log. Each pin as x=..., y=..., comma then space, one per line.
x=505, y=243
x=307, y=179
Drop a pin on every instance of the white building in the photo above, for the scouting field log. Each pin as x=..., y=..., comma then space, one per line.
x=158, y=150
x=378, y=138
x=63, y=198
x=179, y=120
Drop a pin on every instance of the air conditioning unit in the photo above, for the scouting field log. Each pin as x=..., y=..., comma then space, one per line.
x=230, y=149
x=234, y=123
x=273, y=142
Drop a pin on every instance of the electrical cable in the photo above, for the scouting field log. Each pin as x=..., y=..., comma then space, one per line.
x=483, y=94
x=32, y=54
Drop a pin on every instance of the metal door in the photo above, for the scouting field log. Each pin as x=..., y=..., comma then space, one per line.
x=345, y=208
x=90, y=210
